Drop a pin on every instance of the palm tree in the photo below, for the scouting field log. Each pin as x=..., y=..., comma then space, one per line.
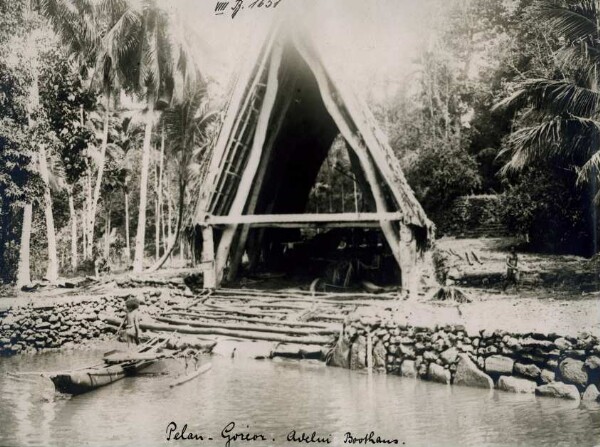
x=188, y=126
x=36, y=39
x=125, y=138
x=561, y=114
x=96, y=33
x=151, y=58
x=81, y=25
x=136, y=46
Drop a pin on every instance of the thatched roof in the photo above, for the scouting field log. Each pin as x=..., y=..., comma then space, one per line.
x=289, y=105
x=309, y=122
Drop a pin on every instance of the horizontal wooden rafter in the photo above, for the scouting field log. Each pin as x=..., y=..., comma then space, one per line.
x=302, y=220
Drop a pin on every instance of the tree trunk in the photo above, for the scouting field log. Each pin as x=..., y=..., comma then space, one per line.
x=84, y=231
x=156, y=219
x=107, y=235
x=140, y=239
x=164, y=236
x=128, y=247
x=90, y=221
x=170, y=239
x=159, y=263
x=24, y=272
x=159, y=193
x=73, y=231
x=100, y=174
x=52, y=271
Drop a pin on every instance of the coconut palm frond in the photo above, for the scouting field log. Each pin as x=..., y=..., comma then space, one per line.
x=560, y=115
x=579, y=54
x=73, y=22
x=531, y=143
x=563, y=139
x=115, y=152
x=553, y=97
x=589, y=170
x=120, y=38
x=576, y=21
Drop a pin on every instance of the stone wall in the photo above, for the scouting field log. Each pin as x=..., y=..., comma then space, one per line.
x=54, y=324
x=472, y=216
x=544, y=364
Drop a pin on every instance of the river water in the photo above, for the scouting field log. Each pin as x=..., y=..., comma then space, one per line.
x=272, y=398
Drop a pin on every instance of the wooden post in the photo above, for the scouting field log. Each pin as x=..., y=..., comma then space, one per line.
x=408, y=257
x=208, y=258
x=369, y=352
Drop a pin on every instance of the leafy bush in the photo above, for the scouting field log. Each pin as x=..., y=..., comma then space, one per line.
x=440, y=175
x=553, y=214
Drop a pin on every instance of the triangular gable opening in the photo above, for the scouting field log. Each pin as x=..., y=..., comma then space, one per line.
x=280, y=128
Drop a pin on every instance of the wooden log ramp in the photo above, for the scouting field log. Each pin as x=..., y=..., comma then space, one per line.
x=298, y=293
x=244, y=312
x=286, y=301
x=235, y=333
x=282, y=329
x=339, y=315
x=181, y=312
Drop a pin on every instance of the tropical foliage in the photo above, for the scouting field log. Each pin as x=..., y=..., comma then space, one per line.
x=554, y=102
x=106, y=127
x=559, y=112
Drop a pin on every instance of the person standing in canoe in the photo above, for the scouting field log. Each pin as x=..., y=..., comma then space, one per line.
x=132, y=322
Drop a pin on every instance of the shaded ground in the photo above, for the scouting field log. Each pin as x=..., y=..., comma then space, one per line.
x=557, y=293
x=482, y=262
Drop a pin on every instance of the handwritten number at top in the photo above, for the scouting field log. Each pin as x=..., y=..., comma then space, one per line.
x=236, y=5
x=264, y=3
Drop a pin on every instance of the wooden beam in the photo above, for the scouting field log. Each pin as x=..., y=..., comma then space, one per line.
x=316, y=225
x=208, y=257
x=307, y=218
x=245, y=186
x=236, y=257
x=239, y=101
x=270, y=321
x=289, y=330
x=245, y=334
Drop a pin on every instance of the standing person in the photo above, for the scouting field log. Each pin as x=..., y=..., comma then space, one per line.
x=132, y=322
x=512, y=269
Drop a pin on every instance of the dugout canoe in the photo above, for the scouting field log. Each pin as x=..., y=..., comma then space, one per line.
x=82, y=381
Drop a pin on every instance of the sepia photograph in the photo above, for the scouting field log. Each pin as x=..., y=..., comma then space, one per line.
x=273, y=223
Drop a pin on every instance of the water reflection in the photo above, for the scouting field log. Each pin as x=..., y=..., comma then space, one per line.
x=274, y=398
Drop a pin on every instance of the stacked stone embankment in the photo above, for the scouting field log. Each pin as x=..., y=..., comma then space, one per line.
x=51, y=324
x=544, y=364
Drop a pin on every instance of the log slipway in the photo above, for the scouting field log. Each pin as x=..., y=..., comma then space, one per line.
x=290, y=317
